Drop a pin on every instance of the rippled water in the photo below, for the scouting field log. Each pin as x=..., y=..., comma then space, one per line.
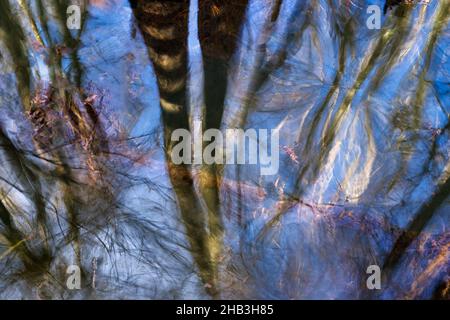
x=363, y=119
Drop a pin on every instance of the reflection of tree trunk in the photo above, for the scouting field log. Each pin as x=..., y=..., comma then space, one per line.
x=164, y=25
x=219, y=29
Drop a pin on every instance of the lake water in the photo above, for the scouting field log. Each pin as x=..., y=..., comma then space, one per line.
x=362, y=116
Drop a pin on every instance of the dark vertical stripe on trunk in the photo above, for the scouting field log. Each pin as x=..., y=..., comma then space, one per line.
x=164, y=25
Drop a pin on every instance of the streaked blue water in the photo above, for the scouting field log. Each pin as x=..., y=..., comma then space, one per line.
x=363, y=118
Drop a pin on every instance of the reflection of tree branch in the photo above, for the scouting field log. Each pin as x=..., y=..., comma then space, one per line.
x=34, y=27
x=329, y=133
x=15, y=41
x=30, y=183
x=428, y=209
x=169, y=59
x=419, y=222
x=418, y=102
